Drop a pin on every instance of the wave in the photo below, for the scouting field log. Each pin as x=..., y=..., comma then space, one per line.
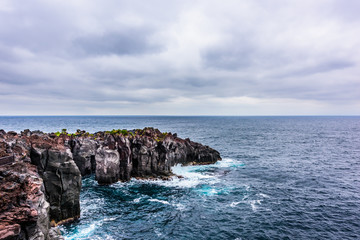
x=192, y=176
x=178, y=206
x=85, y=231
x=160, y=201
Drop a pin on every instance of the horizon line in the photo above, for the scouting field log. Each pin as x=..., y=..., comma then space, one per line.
x=137, y=115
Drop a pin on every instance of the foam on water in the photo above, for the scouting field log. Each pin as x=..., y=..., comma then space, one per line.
x=176, y=205
x=192, y=176
x=253, y=203
x=84, y=232
x=228, y=163
x=159, y=201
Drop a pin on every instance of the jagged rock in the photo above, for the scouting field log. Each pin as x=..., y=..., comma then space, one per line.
x=84, y=151
x=23, y=207
x=107, y=165
x=148, y=157
x=187, y=152
x=62, y=180
x=124, y=149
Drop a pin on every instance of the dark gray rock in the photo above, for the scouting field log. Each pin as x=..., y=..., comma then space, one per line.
x=145, y=157
x=62, y=180
x=84, y=151
x=124, y=149
x=107, y=165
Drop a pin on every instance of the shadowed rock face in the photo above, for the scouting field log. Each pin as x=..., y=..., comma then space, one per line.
x=62, y=181
x=62, y=160
x=84, y=151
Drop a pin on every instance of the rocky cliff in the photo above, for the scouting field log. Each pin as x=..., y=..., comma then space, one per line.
x=24, y=211
x=59, y=161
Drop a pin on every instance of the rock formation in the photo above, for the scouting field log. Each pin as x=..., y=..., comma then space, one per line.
x=62, y=177
x=23, y=207
x=62, y=159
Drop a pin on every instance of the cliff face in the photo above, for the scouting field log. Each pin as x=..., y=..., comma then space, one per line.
x=23, y=207
x=62, y=159
x=62, y=178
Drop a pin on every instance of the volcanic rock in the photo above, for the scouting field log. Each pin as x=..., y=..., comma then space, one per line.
x=23, y=207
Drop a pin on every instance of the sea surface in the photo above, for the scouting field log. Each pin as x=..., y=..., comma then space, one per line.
x=280, y=178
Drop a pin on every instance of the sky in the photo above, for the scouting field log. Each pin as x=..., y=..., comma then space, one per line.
x=170, y=57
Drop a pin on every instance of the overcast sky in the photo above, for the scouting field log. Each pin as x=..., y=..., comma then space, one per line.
x=167, y=57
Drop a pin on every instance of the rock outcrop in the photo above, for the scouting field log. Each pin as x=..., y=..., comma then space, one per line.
x=84, y=151
x=62, y=177
x=62, y=159
x=55, y=165
x=107, y=165
x=23, y=206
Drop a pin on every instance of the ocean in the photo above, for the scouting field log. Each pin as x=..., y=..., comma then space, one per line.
x=280, y=178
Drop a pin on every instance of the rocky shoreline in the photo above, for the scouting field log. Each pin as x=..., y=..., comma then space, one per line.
x=42, y=187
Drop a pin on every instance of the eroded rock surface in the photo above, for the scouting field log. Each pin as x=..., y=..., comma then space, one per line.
x=62, y=177
x=23, y=206
x=84, y=151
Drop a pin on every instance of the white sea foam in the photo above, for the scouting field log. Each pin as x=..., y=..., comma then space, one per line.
x=254, y=204
x=192, y=176
x=137, y=200
x=160, y=201
x=106, y=237
x=84, y=232
x=228, y=162
x=263, y=195
x=234, y=204
x=178, y=206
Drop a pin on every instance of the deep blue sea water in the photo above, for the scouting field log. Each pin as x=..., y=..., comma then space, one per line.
x=280, y=178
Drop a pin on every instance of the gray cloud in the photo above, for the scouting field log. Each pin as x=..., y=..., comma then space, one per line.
x=130, y=42
x=180, y=56
x=232, y=56
x=320, y=67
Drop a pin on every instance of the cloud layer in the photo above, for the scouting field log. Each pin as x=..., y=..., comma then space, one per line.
x=179, y=57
